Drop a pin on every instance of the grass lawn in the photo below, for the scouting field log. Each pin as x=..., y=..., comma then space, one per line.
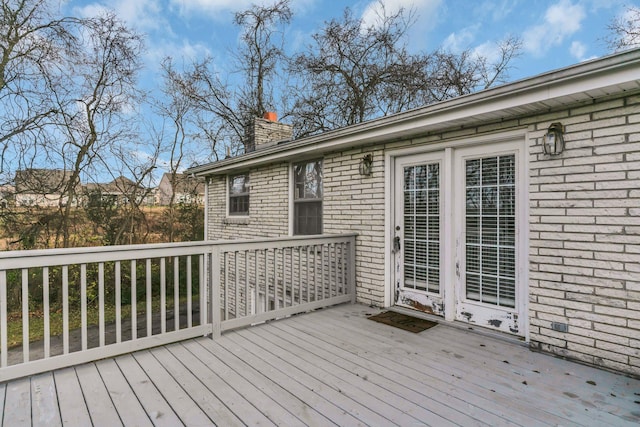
x=36, y=320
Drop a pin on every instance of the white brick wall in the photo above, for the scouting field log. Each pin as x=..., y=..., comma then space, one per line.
x=584, y=236
x=268, y=206
x=584, y=256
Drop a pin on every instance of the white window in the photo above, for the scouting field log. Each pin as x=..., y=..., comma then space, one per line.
x=239, y=195
x=307, y=198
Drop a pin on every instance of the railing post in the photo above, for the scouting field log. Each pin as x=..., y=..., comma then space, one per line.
x=352, y=269
x=3, y=319
x=214, y=294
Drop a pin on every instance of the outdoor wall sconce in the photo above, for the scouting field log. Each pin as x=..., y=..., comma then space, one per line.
x=553, y=141
x=366, y=165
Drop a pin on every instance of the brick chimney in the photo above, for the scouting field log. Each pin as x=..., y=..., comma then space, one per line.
x=266, y=131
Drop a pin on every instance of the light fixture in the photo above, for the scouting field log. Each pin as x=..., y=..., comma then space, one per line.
x=366, y=165
x=553, y=141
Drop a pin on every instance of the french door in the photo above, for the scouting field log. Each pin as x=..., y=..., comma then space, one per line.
x=457, y=247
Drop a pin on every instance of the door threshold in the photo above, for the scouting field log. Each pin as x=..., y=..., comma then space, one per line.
x=513, y=339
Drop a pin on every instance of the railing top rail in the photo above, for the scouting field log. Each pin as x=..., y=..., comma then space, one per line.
x=320, y=239
x=64, y=256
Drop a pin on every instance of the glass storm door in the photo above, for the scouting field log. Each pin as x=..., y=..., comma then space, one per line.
x=417, y=238
x=456, y=244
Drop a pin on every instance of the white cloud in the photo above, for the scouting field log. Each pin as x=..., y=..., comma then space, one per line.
x=578, y=50
x=460, y=41
x=499, y=9
x=181, y=51
x=143, y=15
x=560, y=21
x=489, y=50
x=425, y=10
x=215, y=8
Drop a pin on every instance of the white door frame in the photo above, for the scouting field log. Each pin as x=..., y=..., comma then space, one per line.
x=518, y=139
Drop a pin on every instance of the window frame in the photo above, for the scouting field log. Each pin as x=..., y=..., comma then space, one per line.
x=299, y=200
x=231, y=195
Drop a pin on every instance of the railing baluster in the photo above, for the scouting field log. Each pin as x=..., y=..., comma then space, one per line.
x=246, y=284
x=101, y=303
x=47, y=318
x=227, y=292
x=344, y=268
x=214, y=280
x=25, y=315
x=236, y=285
x=118, y=302
x=202, y=291
x=308, y=283
x=314, y=250
x=330, y=272
x=176, y=293
x=299, y=274
x=83, y=305
x=256, y=298
x=3, y=319
x=163, y=295
x=291, y=270
x=317, y=272
x=134, y=301
x=266, y=280
x=276, y=299
x=284, y=277
x=189, y=293
x=65, y=309
x=336, y=252
x=352, y=272
x=322, y=263
x=148, y=298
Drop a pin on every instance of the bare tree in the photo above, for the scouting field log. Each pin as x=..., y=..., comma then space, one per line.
x=222, y=110
x=352, y=73
x=178, y=110
x=34, y=47
x=104, y=91
x=455, y=74
x=625, y=30
x=130, y=223
x=262, y=54
x=67, y=91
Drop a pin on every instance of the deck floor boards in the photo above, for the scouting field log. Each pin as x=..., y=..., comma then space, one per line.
x=329, y=367
x=430, y=367
x=71, y=403
x=126, y=402
x=96, y=396
x=44, y=405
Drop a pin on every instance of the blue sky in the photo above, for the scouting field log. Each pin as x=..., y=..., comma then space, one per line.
x=555, y=33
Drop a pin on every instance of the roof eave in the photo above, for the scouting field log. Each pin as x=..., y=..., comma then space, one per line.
x=601, y=77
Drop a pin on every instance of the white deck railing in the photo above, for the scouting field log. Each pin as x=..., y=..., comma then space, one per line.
x=158, y=294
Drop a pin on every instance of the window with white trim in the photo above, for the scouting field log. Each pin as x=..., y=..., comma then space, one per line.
x=239, y=195
x=307, y=198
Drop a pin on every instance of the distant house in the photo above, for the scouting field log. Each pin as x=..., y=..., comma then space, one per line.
x=41, y=187
x=185, y=189
x=7, y=195
x=514, y=210
x=119, y=192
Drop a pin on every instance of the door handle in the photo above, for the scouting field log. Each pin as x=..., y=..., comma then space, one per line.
x=396, y=244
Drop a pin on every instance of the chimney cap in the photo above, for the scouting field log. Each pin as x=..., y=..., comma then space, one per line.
x=271, y=116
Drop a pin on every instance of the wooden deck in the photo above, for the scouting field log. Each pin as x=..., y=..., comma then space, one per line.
x=328, y=367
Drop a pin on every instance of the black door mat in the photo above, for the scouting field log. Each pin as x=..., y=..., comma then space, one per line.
x=402, y=321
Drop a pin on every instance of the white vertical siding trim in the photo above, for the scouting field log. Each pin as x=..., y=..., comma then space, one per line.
x=449, y=259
